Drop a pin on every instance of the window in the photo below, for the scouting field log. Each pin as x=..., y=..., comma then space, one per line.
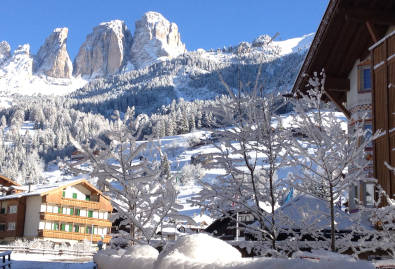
x=77, y=212
x=90, y=214
x=369, y=194
x=63, y=227
x=2, y=227
x=364, y=78
x=13, y=209
x=64, y=194
x=87, y=197
x=74, y=195
x=11, y=226
x=76, y=228
x=88, y=229
x=3, y=211
x=56, y=226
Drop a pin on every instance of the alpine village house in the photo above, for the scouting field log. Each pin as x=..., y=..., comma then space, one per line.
x=69, y=210
x=355, y=46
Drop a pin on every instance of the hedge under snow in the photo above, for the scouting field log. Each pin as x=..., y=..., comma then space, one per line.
x=201, y=251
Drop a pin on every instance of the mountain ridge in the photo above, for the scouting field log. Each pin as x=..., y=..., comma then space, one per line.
x=109, y=49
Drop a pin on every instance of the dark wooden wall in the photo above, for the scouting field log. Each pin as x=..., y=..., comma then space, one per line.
x=383, y=98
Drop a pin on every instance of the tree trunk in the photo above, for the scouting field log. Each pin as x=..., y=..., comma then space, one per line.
x=273, y=221
x=132, y=232
x=333, y=246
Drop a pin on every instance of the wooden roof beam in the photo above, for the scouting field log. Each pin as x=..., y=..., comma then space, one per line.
x=337, y=84
x=338, y=104
x=372, y=31
x=376, y=16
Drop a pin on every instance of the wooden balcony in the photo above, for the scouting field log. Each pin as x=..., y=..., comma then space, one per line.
x=72, y=236
x=74, y=219
x=81, y=203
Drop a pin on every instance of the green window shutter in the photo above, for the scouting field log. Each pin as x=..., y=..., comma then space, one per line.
x=59, y=210
x=62, y=227
x=90, y=214
x=88, y=198
x=76, y=228
x=70, y=228
x=74, y=196
x=86, y=230
x=71, y=211
x=56, y=226
x=64, y=194
x=77, y=212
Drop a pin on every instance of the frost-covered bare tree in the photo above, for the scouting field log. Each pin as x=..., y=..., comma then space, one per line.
x=373, y=228
x=129, y=172
x=251, y=152
x=330, y=159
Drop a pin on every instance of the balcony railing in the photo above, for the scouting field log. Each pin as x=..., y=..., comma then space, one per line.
x=74, y=219
x=73, y=236
x=80, y=203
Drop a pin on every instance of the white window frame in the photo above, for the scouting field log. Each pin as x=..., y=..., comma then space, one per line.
x=11, y=226
x=13, y=209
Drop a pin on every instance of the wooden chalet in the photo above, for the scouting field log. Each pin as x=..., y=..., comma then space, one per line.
x=8, y=186
x=355, y=45
x=70, y=210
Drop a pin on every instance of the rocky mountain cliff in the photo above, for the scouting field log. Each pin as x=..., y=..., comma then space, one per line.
x=155, y=37
x=154, y=55
x=52, y=58
x=105, y=51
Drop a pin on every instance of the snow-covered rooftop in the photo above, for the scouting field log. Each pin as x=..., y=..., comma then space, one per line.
x=40, y=189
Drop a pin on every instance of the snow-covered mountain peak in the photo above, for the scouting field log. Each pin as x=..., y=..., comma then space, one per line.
x=154, y=17
x=261, y=40
x=155, y=37
x=115, y=25
x=295, y=45
x=20, y=64
x=22, y=49
x=5, y=51
x=63, y=32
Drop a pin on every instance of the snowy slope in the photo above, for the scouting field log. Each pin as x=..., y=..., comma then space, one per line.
x=295, y=45
x=16, y=75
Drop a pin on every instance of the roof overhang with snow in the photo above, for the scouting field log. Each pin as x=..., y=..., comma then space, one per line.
x=5, y=181
x=347, y=30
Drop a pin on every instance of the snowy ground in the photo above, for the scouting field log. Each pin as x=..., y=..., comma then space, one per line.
x=33, y=261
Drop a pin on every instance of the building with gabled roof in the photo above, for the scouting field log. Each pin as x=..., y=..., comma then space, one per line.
x=355, y=46
x=67, y=210
x=8, y=186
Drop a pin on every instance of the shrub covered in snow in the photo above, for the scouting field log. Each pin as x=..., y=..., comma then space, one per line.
x=200, y=251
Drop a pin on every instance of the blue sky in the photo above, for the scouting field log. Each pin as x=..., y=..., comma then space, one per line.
x=202, y=23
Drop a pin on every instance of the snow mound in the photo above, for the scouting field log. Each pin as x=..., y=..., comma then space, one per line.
x=201, y=251
x=197, y=250
x=135, y=257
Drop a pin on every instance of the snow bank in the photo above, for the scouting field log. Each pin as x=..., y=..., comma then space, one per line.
x=201, y=251
x=197, y=251
x=135, y=257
